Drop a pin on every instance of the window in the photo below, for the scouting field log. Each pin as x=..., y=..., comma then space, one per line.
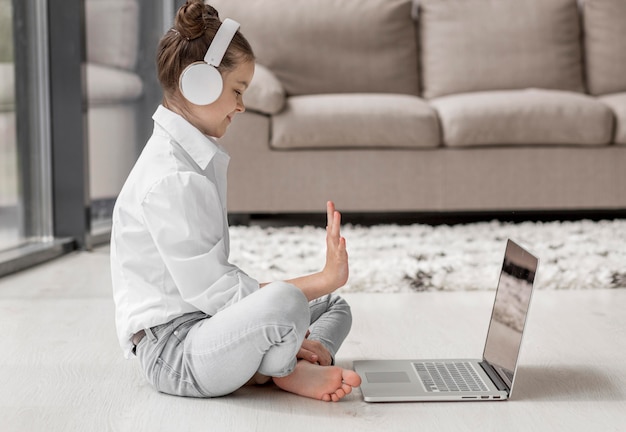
x=122, y=90
x=10, y=235
x=26, y=190
x=72, y=121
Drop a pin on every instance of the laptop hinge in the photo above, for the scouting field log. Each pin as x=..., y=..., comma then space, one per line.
x=495, y=378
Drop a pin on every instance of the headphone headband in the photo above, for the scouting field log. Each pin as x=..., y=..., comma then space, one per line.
x=201, y=82
x=221, y=41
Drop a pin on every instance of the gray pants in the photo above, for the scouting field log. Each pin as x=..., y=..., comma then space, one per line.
x=200, y=356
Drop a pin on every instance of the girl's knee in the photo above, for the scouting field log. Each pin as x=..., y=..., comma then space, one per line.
x=286, y=293
x=341, y=307
x=339, y=302
x=334, y=304
x=287, y=300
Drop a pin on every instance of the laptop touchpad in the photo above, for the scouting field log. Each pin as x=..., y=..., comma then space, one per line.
x=387, y=377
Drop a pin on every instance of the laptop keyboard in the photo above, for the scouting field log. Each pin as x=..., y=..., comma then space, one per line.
x=448, y=377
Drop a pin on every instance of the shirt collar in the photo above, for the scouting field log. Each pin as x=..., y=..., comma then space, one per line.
x=200, y=147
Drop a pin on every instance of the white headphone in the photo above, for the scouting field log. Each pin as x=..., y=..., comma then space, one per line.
x=201, y=82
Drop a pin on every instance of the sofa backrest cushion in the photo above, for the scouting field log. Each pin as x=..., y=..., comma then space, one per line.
x=477, y=45
x=605, y=45
x=331, y=46
x=112, y=32
x=6, y=31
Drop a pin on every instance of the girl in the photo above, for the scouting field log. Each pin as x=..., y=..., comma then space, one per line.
x=198, y=324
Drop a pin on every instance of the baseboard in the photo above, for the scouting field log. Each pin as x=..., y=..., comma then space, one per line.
x=428, y=218
x=31, y=254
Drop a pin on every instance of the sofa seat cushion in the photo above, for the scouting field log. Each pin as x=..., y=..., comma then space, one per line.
x=355, y=121
x=107, y=85
x=7, y=87
x=605, y=45
x=331, y=46
x=479, y=45
x=617, y=102
x=523, y=117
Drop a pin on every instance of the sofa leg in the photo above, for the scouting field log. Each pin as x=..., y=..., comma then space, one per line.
x=239, y=219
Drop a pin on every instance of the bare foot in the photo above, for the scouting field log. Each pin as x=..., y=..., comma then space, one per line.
x=327, y=383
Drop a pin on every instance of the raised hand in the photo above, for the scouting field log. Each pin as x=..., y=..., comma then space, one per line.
x=336, y=270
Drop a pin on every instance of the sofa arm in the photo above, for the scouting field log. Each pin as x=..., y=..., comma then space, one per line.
x=265, y=94
x=109, y=85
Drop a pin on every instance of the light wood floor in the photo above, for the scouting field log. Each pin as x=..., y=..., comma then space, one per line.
x=61, y=368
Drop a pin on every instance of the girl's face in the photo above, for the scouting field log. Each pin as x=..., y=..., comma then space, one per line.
x=214, y=119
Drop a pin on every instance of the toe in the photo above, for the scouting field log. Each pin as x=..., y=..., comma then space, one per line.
x=351, y=378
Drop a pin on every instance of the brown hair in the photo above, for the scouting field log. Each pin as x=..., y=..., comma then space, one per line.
x=194, y=28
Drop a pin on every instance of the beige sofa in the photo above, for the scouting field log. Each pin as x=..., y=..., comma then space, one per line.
x=431, y=106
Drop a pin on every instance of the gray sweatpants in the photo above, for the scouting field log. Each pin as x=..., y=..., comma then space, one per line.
x=200, y=356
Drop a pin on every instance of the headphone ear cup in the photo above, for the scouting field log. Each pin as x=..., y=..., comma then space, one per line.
x=201, y=83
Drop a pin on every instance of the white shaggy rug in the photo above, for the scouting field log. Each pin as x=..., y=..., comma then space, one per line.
x=391, y=258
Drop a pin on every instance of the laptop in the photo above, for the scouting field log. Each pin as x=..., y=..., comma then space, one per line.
x=491, y=378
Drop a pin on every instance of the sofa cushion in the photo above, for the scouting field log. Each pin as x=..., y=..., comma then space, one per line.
x=605, y=45
x=110, y=85
x=7, y=87
x=617, y=102
x=112, y=32
x=331, y=46
x=265, y=94
x=6, y=31
x=355, y=120
x=523, y=117
x=477, y=45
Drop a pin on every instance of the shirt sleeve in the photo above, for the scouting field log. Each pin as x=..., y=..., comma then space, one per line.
x=184, y=216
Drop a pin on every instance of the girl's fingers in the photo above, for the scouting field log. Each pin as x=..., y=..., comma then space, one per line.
x=336, y=224
x=330, y=211
x=342, y=244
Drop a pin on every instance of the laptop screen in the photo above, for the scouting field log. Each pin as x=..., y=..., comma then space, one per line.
x=510, y=308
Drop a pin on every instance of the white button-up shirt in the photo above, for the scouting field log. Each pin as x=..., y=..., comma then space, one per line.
x=169, y=241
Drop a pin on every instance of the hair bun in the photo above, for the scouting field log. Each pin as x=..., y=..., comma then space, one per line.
x=193, y=19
